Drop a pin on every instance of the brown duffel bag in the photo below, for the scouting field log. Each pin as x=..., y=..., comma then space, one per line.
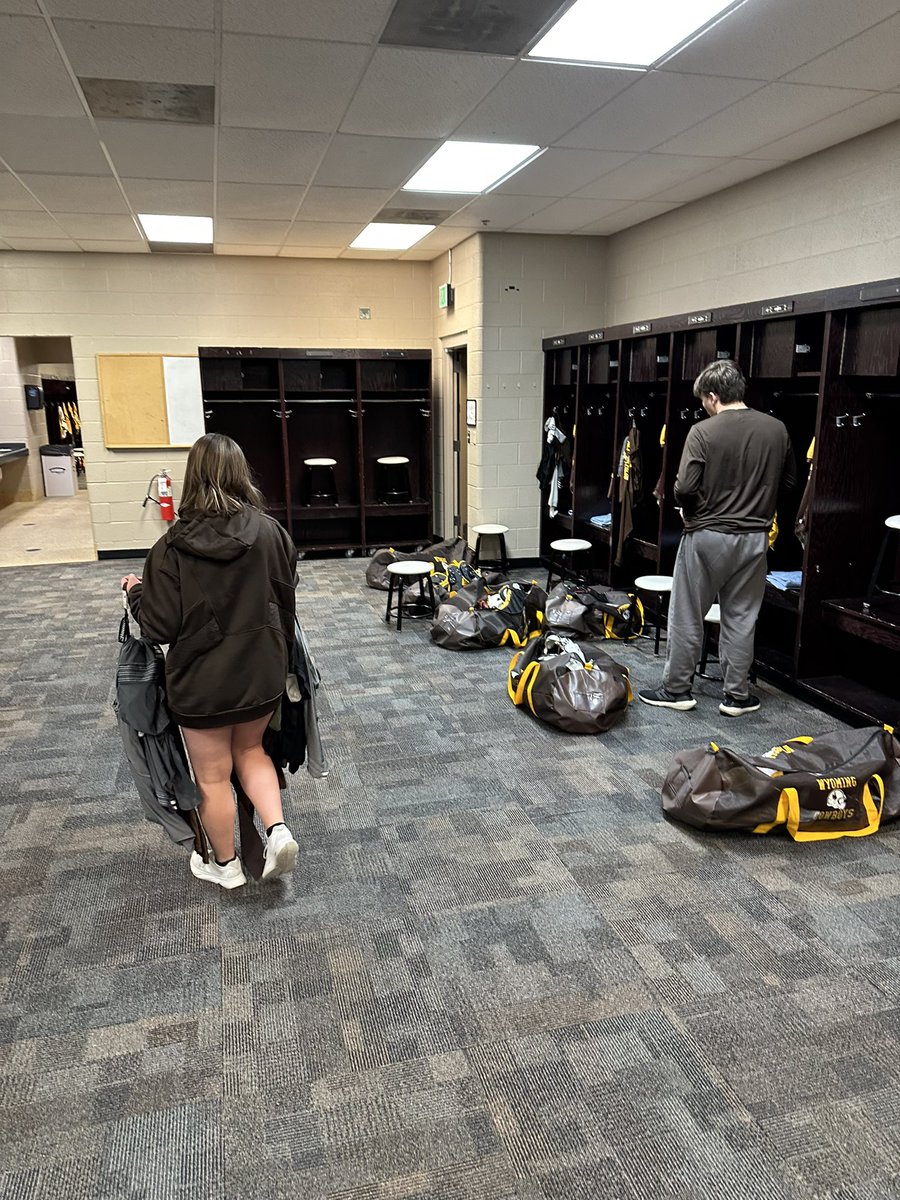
x=843, y=784
x=377, y=568
x=575, y=686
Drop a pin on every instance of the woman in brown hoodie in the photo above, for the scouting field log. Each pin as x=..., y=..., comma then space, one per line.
x=218, y=587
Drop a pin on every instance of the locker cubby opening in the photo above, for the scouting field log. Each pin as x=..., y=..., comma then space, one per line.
x=315, y=376
x=648, y=359
x=562, y=367
x=701, y=347
x=392, y=430
x=256, y=427
x=645, y=410
x=787, y=348
x=390, y=527
x=870, y=341
x=398, y=376
x=601, y=365
x=323, y=431
x=314, y=532
x=239, y=375
x=796, y=408
x=595, y=450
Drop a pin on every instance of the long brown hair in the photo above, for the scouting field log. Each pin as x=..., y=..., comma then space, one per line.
x=217, y=479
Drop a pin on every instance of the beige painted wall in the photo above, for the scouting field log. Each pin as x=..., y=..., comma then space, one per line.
x=173, y=304
x=825, y=221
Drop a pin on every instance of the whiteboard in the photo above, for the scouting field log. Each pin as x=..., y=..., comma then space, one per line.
x=184, y=400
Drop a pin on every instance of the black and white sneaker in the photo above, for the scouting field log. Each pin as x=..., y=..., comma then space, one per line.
x=734, y=706
x=660, y=698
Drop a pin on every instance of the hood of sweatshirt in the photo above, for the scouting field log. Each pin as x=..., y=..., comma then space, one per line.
x=220, y=538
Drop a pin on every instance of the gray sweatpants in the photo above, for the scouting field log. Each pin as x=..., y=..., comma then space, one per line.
x=732, y=567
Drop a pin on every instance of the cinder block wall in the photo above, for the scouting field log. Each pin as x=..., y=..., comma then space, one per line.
x=110, y=303
x=827, y=220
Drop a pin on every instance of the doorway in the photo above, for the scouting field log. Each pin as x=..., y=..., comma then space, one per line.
x=459, y=361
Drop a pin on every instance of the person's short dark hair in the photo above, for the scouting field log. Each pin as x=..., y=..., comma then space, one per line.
x=723, y=377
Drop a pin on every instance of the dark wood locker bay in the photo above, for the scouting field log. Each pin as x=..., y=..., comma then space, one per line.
x=827, y=364
x=284, y=407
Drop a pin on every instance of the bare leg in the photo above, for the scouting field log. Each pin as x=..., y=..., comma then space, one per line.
x=256, y=771
x=210, y=753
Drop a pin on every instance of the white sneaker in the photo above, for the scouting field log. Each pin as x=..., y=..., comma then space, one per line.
x=230, y=876
x=281, y=853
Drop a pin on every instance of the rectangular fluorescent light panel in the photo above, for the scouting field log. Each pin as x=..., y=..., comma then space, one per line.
x=162, y=228
x=631, y=35
x=470, y=167
x=383, y=235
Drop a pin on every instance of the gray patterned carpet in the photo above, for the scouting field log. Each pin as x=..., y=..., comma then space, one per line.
x=498, y=973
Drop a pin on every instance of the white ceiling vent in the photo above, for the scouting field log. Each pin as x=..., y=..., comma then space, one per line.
x=185, y=103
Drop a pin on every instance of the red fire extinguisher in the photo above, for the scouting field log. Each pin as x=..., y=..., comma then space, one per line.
x=166, y=500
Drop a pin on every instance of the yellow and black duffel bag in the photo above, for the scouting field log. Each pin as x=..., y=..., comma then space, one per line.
x=843, y=784
x=575, y=686
x=477, y=617
x=575, y=610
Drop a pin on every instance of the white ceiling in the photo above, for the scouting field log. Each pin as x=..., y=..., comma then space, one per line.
x=318, y=125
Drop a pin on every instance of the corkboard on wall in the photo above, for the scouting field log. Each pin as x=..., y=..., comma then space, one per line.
x=132, y=401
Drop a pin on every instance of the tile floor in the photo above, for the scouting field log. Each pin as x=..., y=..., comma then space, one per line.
x=52, y=530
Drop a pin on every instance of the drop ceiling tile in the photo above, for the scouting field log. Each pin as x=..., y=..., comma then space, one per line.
x=310, y=251
x=724, y=175
x=159, y=150
x=869, y=60
x=643, y=177
x=257, y=201
x=343, y=204
x=286, y=83
x=257, y=251
x=52, y=144
x=186, y=197
x=77, y=193
x=558, y=172
x=318, y=20
x=443, y=238
x=443, y=203
x=50, y=244
x=181, y=14
x=565, y=216
x=29, y=225
x=107, y=51
x=657, y=107
x=34, y=81
x=539, y=102
x=324, y=233
x=27, y=8
x=766, y=39
x=269, y=155
x=100, y=246
x=14, y=196
x=499, y=27
x=494, y=211
x=354, y=161
x=862, y=118
x=775, y=111
x=99, y=226
x=416, y=255
x=632, y=214
x=420, y=93
x=240, y=232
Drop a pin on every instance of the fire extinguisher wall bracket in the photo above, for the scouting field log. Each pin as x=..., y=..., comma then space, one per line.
x=166, y=501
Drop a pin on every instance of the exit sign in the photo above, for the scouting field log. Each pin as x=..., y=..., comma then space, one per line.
x=445, y=296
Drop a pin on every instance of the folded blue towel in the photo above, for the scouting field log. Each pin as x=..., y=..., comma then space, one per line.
x=785, y=581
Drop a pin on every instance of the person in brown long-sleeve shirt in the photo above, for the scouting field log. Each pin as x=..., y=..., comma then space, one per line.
x=732, y=471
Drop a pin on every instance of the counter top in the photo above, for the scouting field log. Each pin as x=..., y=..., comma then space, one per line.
x=9, y=451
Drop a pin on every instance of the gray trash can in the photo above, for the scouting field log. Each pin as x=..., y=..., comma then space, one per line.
x=58, y=467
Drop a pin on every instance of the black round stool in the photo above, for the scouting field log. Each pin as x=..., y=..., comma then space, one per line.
x=392, y=481
x=321, y=485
